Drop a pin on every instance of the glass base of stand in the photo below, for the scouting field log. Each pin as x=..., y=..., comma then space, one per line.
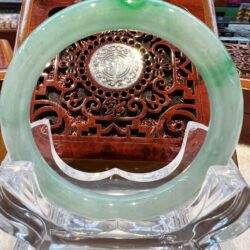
x=219, y=213
x=20, y=245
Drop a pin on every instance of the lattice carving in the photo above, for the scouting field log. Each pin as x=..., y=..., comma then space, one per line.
x=155, y=109
x=241, y=57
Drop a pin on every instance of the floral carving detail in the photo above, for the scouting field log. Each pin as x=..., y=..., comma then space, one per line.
x=114, y=106
x=157, y=106
x=160, y=66
x=241, y=57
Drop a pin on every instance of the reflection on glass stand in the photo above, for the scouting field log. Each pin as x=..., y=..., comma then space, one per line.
x=219, y=213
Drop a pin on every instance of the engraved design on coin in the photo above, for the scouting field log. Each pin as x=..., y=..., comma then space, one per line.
x=116, y=66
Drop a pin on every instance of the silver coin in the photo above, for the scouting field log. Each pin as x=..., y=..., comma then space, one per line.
x=116, y=66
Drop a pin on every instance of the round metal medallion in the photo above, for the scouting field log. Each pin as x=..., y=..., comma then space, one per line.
x=116, y=66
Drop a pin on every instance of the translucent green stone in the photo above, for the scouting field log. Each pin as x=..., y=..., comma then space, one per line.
x=152, y=16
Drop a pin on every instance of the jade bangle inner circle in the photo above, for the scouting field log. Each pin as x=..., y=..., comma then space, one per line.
x=150, y=16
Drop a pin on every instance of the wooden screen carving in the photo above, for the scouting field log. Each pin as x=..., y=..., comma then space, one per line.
x=241, y=57
x=143, y=122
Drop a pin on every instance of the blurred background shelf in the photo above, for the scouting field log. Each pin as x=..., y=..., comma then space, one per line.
x=9, y=17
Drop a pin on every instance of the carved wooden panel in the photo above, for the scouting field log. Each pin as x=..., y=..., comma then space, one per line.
x=130, y=126
x=241, y=57
x=149, y=115
x=34, y=12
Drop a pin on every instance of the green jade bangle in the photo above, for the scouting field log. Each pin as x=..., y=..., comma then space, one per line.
x=152, y=16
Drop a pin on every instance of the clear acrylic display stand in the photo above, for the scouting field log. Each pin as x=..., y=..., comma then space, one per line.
x=185, y=205
x=219, y=213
